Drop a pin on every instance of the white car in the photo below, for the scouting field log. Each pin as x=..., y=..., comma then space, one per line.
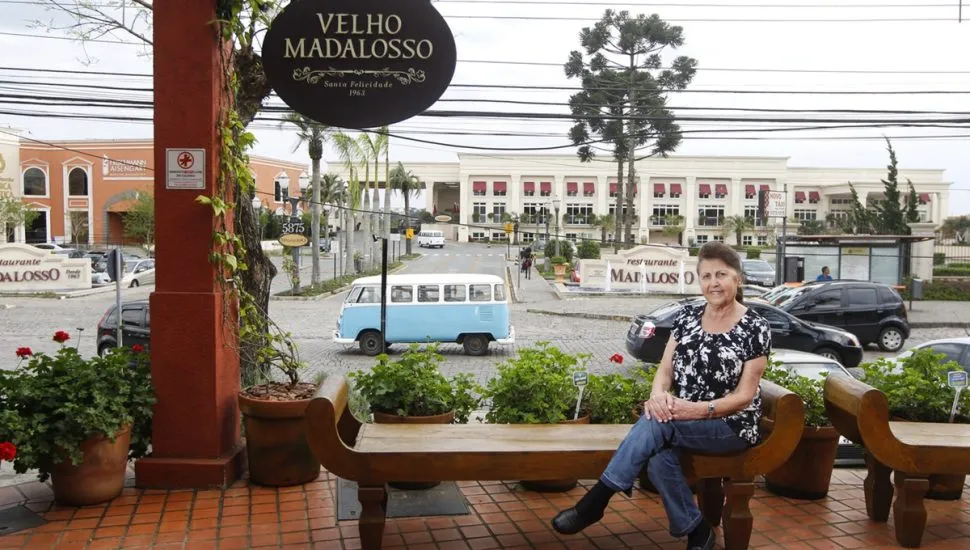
x=431, y=239
x=54, y=248
x=137, y=273
x=955, y=349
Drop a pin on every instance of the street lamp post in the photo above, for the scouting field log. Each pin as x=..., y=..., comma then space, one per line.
x=555, y=205
x=295, y=219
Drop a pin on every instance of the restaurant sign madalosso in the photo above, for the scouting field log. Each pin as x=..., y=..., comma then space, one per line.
x=359, y=63
x=24, y=268
x=645, y=268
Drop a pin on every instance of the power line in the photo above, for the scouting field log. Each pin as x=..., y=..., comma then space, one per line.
x=689, y=4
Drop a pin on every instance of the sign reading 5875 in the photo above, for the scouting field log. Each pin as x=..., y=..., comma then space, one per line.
x=294, y=227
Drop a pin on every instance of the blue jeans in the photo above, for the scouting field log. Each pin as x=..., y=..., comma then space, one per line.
x=659, y=444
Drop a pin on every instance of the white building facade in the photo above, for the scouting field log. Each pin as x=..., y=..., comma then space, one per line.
x=704, y=191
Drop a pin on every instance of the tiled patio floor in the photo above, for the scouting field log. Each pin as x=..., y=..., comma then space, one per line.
x=503, y=516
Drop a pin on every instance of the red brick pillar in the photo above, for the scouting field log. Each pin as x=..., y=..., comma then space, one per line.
x=195, y=365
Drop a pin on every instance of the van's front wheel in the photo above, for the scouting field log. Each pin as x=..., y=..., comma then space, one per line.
x=371, y=343
x=475, y=344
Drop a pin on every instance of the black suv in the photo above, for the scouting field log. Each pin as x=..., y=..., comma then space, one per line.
x=873, y=312
x=135, y=329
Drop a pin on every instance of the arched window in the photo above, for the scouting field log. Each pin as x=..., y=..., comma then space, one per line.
x=77, y=183
x=35, y=183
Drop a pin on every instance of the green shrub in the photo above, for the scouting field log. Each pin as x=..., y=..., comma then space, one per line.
x=535, y=387
x=946, y=291
x=588, y=250
x=810, y=391
x=916, y=387
x=939, y=258
x=693, y=250
x=951, y=271
x=414, y=386
x=565, y=249
x=613, y=397
x=754, y=253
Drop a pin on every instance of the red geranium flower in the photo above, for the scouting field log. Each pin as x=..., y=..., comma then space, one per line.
x=616, y=358
x=60, y=337
x=138, y=348
x=7, y=451
x=24, y=352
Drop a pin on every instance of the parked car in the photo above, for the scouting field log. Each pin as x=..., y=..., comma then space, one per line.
x=758, y=272
x=135, y=326
x=955, y=349
x=55, y=248
x=648, y=334
x=137, y=273
x=816, y=366
x=874, y=312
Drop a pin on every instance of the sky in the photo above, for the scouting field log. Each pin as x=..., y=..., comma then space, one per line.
x=798, y=45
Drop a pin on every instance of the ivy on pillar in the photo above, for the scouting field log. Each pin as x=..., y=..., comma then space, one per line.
x=195, y=363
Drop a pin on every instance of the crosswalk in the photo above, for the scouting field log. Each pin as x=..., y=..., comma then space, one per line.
x=480, y=254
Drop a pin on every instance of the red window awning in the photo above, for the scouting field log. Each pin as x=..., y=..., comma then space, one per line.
x=529, y=187
x=675, y=189
x=924, y=198
x=572, y=187
x=613, y=188
x=749, y=190
x=545, y=187
x=721, y=189
x=814, y=196
x=765, y=188
x=589, y=188
x=499, y=186
x=479, y=186
x=659, y=189
x=799, y=196
x=704, y=189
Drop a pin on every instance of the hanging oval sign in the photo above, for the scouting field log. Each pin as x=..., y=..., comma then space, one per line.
x=293, y=240
x=359, y=63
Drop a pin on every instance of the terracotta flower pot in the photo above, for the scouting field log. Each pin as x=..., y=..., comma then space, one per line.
x=554, y=485
x=385, y=418
x=276, y=443
x=560, y=271
x=807, y=472
x=99, y=478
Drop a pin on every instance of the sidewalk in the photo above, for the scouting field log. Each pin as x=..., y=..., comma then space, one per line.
x=533, y=290
x=500, y=515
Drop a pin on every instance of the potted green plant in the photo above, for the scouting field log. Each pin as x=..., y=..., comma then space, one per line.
x=536, y=387
x=616, y=398
x=916, y=388
x=808, y=471
x=273, y=413
x=77, y=421
x=559, y=264
x=412, y=390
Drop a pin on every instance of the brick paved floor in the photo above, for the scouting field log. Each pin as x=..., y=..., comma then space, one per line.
x=502, y=516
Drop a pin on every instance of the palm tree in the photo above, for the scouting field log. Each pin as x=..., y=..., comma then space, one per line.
x=674, y=227
x=408, y=185
x=607, y=224
x=313, y=134
x=386, y=146
x=738, y=225
x=371, y=149
x=353, y=158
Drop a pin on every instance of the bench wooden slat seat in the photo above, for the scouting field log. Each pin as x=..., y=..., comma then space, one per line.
x=912, y=450
x=373, y=454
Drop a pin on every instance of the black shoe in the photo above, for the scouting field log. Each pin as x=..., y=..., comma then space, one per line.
x=702, y=542
x=569, y=522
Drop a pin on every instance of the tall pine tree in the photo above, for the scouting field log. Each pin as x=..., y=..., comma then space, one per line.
x=889, y=216
x=912, y=214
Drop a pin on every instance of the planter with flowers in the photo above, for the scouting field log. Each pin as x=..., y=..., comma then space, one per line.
x=916, y=388
x=559, y=267
x=536, y=387
x=273, y=413
x=808, y=471
x=412, y=390
x=77, y=421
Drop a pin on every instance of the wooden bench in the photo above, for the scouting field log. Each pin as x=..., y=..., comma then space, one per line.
x=913, y=450
x=373, y=454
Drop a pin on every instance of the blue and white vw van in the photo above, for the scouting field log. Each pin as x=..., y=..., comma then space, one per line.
x=463, y=308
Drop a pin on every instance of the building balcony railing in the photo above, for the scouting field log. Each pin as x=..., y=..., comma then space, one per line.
x=709, y=221
x=663, y=221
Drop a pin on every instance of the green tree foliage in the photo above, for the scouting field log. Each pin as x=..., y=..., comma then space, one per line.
x=623, y=99
x=889, y=216
x=139, y=222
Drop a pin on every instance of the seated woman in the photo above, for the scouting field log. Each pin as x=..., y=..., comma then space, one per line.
x=705, y=398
